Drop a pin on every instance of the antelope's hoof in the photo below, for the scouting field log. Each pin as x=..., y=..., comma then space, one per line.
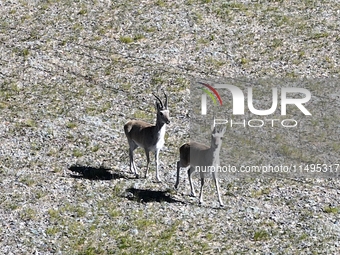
x=193, y=195
x=158, y=180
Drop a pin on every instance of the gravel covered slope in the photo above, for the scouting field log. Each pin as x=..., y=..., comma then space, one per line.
x=73, y=72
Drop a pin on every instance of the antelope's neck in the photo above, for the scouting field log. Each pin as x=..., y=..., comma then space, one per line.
x=159, y=125
x=160, y=128
x=160, y=135
x=215, y=151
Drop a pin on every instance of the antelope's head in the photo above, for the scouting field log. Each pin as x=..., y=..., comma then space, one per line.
x=163, y=114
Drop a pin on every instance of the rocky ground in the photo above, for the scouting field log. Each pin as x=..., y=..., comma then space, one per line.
x=73, y=72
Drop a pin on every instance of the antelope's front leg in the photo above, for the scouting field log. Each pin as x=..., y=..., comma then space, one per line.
x=177, y=177
x=157, y=165
x=217, y=189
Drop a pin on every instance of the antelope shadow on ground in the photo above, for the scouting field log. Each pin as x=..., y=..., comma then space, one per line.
x=95, y=173
x=146, y=196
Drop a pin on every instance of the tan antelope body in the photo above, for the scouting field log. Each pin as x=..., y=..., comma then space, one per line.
x=147, y=136
x=195, y=154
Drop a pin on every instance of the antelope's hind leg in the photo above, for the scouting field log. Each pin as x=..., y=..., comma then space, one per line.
x=132, y=147
x=201, y=190
x=192, y=190
x=147, y=154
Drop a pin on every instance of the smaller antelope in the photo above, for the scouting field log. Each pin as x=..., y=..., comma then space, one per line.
x=195, y=154
x=147, y=136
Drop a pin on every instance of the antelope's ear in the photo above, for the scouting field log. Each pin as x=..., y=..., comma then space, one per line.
x=223, y=130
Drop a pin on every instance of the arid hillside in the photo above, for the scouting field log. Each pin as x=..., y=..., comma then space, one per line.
x=72, y=73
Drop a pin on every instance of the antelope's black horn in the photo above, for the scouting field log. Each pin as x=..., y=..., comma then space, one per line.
x=158, y=100
x=166, y=100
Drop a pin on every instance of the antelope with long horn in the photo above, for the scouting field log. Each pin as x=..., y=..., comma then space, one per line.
x=203, y=157
x=147, y=136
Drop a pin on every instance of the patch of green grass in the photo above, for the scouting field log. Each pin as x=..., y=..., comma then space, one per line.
x=276, y=43
x=139, y=114
x=335, y=146
x=125, y=242
x=57, y=169
x=261, y=235
x=149, y=29
x=54, y=214
x=3, y=105
x=11, y=206
x=160, y=3
x=28, y=214
x=108, y=70
x=117, y=190
x=138, y=37
x=52, y=230
x=234, y=5
x=91, y=250
x=203, y=41
x=143, y=224
x=95, y=148
x=316, y=36
x=82, y=11
x=287, y=150
x=198, y=17
x=183, y=82
x=35, y=146
x=29, y=181
x=330, y=209
x=91, y=110
x=126, y=39
x=25, y=52
x=281, y=20
x=30, y=123
x=261, y=192
x=79, y=211
x=215, y=63
x=77, y=153
x=52, y=152
x=114, y=213
x=301, y=54
x=105, y=107
x=40, y=194
x=304, y=236
x=244, y=61
x=71, y=125
x=156, y=80
x=77, y=27
x=209, y=236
